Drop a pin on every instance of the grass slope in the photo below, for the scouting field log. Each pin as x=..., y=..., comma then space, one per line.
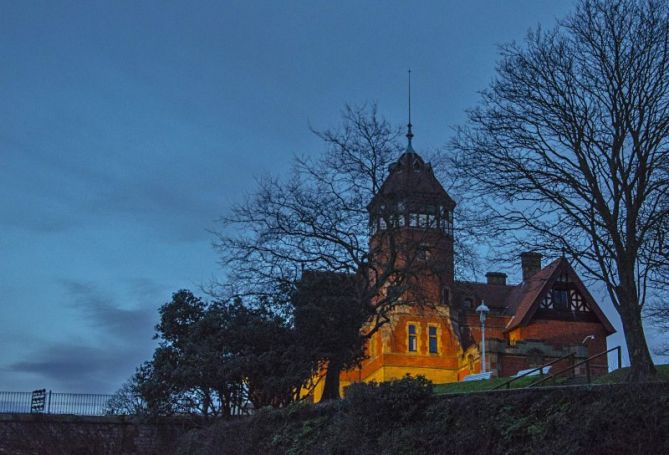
x=615, y=377
x=406, y=418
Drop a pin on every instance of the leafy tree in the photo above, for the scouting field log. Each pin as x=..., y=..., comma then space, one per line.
x=127, y=400
x=214, y=358
x=567, y=152
x=327, y=320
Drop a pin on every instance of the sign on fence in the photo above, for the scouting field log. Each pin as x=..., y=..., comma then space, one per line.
x=38, y=401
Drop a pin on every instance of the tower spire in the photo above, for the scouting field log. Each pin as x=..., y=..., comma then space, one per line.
x=409, y=125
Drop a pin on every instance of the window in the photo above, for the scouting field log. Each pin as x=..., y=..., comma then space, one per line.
x=413, y=220
x=564, y=297
x=413, y=346
x=394, y=293
x=444, y=296
x=432, y=335
x=559, y=298
x=382, y=224
x=469, y=303
x=401, y=220
x=422, y=220
x=423, y=253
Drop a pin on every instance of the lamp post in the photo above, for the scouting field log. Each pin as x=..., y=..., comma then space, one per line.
x=482, y=310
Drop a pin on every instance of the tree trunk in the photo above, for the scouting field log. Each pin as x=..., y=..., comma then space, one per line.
x=331, y=386
x=642, y=367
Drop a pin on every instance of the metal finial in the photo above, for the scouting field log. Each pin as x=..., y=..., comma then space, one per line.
x=409, y=132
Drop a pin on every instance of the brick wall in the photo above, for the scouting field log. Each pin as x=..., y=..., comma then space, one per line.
x=46, y=434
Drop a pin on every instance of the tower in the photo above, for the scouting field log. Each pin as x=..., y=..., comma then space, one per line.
x=411, y=224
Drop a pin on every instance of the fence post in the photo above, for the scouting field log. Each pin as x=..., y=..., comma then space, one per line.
x=48, y=405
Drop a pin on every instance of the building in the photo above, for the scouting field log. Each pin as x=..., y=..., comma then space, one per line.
x=433, y=329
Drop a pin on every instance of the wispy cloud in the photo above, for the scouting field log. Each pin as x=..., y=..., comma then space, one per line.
x=124, y=324
x=80, y=368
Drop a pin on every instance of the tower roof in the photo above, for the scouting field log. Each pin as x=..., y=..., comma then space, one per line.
x=412, y=180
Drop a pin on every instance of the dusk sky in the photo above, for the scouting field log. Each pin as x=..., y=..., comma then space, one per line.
x=128, y=128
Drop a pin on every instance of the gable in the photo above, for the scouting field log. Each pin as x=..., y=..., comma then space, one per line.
x=556, y=292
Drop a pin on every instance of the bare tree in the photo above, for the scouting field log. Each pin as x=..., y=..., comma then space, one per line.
x=568, y=149
x=317, y=220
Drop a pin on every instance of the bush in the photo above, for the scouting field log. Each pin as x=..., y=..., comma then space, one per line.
x=391, y=402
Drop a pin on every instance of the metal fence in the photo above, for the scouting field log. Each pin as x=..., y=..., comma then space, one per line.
x=47, y=402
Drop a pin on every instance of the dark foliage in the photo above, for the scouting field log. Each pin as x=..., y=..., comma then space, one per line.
x=213, y=359
x=385, y=419
x=327, y=317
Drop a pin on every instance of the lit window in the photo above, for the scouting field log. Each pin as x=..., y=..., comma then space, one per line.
x=412, y=338
x=432, y=333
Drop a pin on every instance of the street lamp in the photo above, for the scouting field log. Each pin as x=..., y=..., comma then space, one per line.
x=482, y=310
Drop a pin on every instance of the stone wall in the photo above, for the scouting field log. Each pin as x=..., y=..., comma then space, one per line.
x=47, y=434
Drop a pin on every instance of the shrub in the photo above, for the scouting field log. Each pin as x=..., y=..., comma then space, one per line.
x=391, y=402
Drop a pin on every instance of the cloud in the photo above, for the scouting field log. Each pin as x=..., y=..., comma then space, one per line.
x=103, y=313
x=80, y=368
x=101, y=354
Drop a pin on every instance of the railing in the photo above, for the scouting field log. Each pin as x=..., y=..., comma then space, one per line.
x=507, y=384
x=54, y=403
x=588, y=374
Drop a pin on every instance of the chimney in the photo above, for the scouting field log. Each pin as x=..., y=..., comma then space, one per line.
x=496, y=278
x=531, y=264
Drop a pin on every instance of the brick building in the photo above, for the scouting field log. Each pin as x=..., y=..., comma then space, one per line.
x=434, y=329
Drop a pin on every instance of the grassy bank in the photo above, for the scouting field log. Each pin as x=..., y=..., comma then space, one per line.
x=615, y=377
x=406, y=417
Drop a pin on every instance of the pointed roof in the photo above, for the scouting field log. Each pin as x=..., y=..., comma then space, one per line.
x=525, y=299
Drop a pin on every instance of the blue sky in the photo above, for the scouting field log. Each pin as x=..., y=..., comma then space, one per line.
x=128, y=128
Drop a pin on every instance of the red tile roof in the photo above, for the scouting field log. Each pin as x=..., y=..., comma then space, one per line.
x=522, y=300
